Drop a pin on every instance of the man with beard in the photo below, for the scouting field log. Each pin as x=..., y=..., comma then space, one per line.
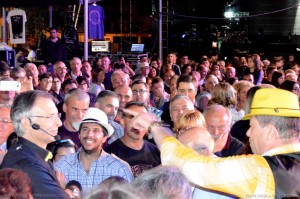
x=218, y=122
x=90, y=165
x=108, y=102
x=139, y=153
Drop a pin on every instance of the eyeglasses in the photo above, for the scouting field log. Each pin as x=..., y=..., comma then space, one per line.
x=50, y=117
x=141, y=91
x=5, y=121
x=49, y=81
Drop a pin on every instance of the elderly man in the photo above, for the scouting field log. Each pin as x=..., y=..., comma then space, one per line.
x=75, y=65
x=274, y=133
x=218, y=122
x=32, y=71
x=61, y=70
x=90, y=165
x=119, y=78
x=36, y=121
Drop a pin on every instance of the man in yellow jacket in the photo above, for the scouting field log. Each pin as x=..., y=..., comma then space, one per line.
x=274, y=169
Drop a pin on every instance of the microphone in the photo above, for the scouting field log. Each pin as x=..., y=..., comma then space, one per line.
x=37, y=127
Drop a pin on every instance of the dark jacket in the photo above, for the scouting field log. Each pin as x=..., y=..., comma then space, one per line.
x=286, y=170
x=33, y=160
x=53, y=52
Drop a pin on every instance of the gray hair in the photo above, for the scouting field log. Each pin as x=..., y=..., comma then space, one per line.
x=117, y=190
x=106, y=93
x=181, y=97
x=164, y=182
x=15, y=71
x=23, y=105
x=287, y=127
x=217, y=108
x=78, y=93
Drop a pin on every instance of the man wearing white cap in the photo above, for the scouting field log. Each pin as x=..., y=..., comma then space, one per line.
x=90, y=165
x=274, y=169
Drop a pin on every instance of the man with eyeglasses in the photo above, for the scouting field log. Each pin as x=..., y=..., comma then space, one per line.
x=36, y=122
x=61, y=70
x=140, y=93
x=6, y=128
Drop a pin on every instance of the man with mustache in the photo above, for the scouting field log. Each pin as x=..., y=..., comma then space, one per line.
x=218, y=122
x=140, y=154
x=90, y=165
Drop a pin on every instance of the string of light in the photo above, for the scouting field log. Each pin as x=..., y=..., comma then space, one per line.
x=223, y=18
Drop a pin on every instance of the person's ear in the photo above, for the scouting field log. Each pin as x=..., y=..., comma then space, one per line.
x=272, y=133
x=64, y=107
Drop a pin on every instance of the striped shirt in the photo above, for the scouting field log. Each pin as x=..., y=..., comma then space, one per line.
x=246, y=176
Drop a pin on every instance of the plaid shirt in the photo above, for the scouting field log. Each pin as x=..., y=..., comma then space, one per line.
x=246, y=176
x=102, y=168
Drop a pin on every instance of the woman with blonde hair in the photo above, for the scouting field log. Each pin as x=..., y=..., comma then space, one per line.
x=242, y=88
x=189, y=120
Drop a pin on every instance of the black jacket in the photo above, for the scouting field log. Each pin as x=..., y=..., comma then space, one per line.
x=31, y=159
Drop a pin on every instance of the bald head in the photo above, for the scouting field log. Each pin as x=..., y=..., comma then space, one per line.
x=198, y=139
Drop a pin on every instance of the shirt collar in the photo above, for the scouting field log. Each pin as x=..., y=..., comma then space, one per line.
x=43, y=153
x=288, y=148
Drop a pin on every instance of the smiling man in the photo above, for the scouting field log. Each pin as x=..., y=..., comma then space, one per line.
x=35, y=118
x=90, y=165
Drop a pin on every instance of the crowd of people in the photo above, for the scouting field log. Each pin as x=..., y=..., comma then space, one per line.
x=159, y=129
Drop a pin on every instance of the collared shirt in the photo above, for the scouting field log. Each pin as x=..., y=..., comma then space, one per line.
x=34, y=161
x=155, y=111
x=74, y=76
x=118, y=132
x=243, y=176
x=104, y=167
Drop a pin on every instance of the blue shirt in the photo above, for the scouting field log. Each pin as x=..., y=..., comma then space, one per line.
x=118, y=132
x=104, y=167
